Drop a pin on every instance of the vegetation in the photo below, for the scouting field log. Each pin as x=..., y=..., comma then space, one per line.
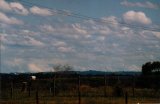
x=151, y=68
x=66, y=86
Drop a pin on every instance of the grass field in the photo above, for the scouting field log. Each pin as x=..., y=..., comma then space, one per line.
x=88, y=96
x=91, y=90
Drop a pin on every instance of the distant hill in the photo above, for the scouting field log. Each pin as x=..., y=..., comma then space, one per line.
x=89, y=72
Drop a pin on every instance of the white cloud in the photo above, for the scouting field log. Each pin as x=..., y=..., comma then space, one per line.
x=30, y=41
x=157, y=34
x=68, y=30
x=40, y=11
x=59, y=44
x=111, y=20
x=79, y=29
x=146, y=4
x=9, y=20
x=136, y=17
x=18, y=8
x=34, y=68
x=15, y=39
x=13, y=6
x=47, y=28
x=4, y=5
x=65, y=49
x=133, y=68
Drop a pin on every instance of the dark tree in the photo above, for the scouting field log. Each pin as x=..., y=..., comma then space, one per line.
x=150, y=68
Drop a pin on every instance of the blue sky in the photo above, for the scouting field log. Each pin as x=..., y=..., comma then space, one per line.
x=35, y=35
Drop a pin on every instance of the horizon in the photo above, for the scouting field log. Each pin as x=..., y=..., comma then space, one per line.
x=101, y=35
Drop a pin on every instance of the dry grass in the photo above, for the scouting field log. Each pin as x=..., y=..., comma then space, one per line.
x=86, y=100
x=89, y=96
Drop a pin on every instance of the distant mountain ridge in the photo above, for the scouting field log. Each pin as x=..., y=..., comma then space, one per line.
x=89, y=72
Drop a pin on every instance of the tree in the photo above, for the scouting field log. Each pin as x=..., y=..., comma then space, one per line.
x=151, y=68
x=60, y=67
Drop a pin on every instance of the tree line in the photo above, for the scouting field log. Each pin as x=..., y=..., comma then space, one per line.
x=151, y=68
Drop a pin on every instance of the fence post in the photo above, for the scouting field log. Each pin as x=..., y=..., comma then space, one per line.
x=126, y=98
x=54, y=86
x=133, y=86
x=105, y=83
x=29, y=88
x=11, y=90
x=37, y=99
x=79, y=93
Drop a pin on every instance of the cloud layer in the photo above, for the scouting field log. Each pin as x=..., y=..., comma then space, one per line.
x=13, y=7
x=40, y=11
x=9, y=20
x=33, y=40
x=146, y=4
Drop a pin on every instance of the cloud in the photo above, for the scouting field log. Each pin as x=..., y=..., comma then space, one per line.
x=40, y=11
x=13, y=6
x=65, y=49
x=32, y=42
x=47, y=28
x=79, y=29
x=136, y=17
x=4, y=5
x=9, y=20
x=112, y=20
x=18, y=8
x=59, y=44
x=34, y=68
x=97, y=45
x=146, y=4
x=133, y=68
x=15, y=39
x=157, y=34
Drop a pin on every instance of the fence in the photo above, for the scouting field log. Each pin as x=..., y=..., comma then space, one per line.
x=81, y=90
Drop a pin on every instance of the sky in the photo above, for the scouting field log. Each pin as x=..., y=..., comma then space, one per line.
x=103, y=35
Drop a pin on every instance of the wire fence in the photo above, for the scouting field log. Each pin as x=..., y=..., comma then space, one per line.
x=82, y=90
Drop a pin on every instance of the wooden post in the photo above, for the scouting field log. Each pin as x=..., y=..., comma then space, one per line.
x=29, y=88
x=79, y=93
x=133, y=86
x=126, y=98
x=11, y=90
x=37, y=99
x=54, y=86
x=105, y=83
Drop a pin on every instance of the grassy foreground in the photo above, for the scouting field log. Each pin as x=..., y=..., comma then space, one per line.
x=84, y=100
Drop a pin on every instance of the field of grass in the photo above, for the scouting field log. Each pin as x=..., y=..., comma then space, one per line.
x=84, y=100
x=92, y=91
x=88, y=96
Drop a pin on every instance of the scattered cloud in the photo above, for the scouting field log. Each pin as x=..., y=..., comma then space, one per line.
x=59, y=44
x=18, y=8
x=157, y=34
x=34, y=68
x=65, y=49
x=9, y=20
x=47, y=28
x=4, y=5
x=136, y=17
x=14, y=39
x=112, y=20
x=86, y=44
x=146, y=4
x=133, y=68
x=13, y=6
x=32, y=42
x=40, y=11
